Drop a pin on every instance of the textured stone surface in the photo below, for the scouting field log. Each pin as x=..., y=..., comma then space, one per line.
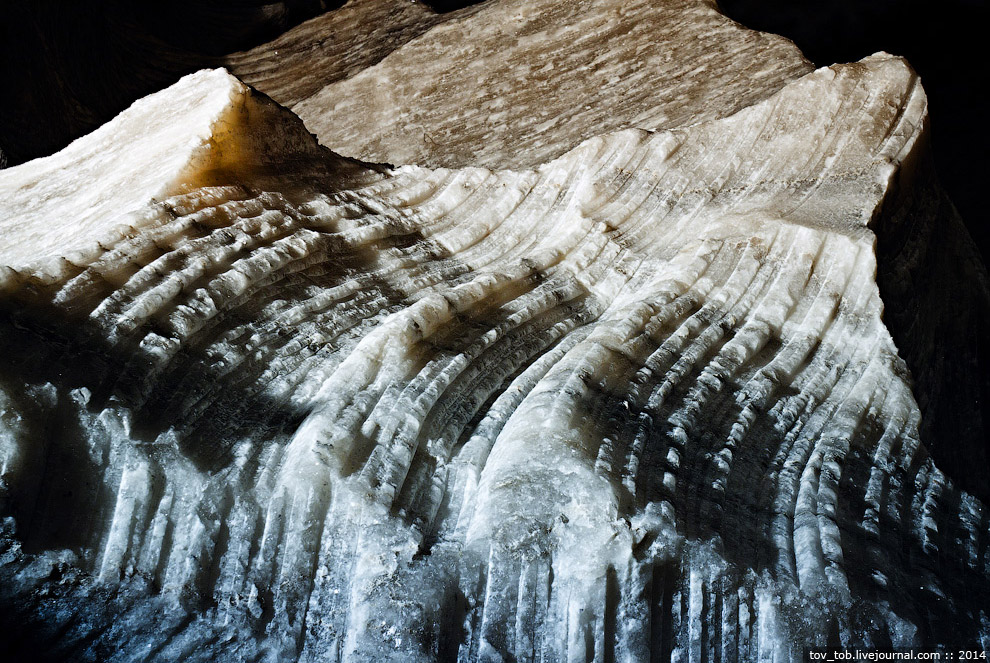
x=540, y=76
x=380, y=417
x=632, y=399
x=519, y=82
x=67, y=68
x=169, y=141
x=336, y=45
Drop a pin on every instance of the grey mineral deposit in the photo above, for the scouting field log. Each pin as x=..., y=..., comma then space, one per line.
x=579, y=331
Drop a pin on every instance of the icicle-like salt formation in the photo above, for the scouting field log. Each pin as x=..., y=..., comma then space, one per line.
x=637, y=403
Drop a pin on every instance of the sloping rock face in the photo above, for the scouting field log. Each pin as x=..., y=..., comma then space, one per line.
x=630, y=399
x=519, y=82
x=515, y=83
x=68, y=68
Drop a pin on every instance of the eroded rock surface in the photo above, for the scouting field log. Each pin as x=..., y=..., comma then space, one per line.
x=68, y=68
x=634, y=403
x=516, y=83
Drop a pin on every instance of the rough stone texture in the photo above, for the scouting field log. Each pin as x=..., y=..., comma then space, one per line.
x=635, y=402
x=534, y=75
x=335, y=46
x=378, y=417
x=67, y=68
x=519, y=82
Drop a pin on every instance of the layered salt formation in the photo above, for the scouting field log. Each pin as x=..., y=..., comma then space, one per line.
x=629, y=401
x=516, y=83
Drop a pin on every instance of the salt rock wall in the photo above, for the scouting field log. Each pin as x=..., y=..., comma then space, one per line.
x=631, y=398
x=66, y=69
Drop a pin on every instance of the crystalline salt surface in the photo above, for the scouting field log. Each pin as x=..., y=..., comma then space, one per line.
x=634, y=403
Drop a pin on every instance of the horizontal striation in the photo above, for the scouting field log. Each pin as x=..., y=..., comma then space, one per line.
x=334, y=46
x=480, y=72
x=495, y=85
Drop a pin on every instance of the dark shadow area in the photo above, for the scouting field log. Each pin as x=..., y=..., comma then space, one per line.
x=936, y=296
x=943, y=41
x=218, y=27
x=25, y=643
x=65, y=505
